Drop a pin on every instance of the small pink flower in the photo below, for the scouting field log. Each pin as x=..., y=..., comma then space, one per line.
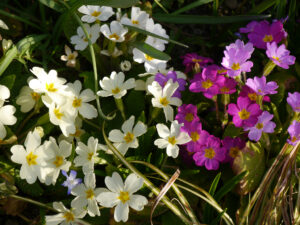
x=192, y=60
x=280, y=55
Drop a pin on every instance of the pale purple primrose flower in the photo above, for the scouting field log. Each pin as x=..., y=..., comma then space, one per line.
x=294, y=101
x=264, y=124
x=280, y=55
x=261, y=87
x=71, y=180
x=294, y=131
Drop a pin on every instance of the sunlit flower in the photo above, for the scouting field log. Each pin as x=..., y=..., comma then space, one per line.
x=27, y=99
x=81, y=41
x=116, y=32
x=261, y=86
x=138, y=18
x=280, y=55
x=156, y=28
x=121, y=195
x=197, y=135
x=187, y=114
x=71, y=180
x=70, y=57
x=95, y=13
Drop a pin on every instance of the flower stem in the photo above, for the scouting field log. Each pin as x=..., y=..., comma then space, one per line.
x=268, y=68
x=32, y=202
x=154, y=114
x=120, y=106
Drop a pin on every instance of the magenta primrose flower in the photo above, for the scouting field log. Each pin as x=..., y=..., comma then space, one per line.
x=232, y=146
x=207, y=82
x=211, y=154
x=261, y=33
x=236, y=56
x=187, y=114
x=261, y=87
x=249, y=28
x=264, y=124
x=198, y=136
x=280, y=55
x=191, y=60
x=294, y=131
x=163, y=79
x=251, y=94
x=228, y=86
x=244, y=113
x=294, y=101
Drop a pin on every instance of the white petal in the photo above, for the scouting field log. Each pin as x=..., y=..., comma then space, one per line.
x=169, y=113
x=161, y=143
x=163, y=130
x=121, y=212
x=19, y=154
x=116, y=136
x=133, y=183
x=6, y=115
x=55, y=219
x=114, y=183
x=108, y=199
x=128, y=125
x=139, y=129
x=93, y=208
x=172, y=150
x=33, y=140
x=137, y=202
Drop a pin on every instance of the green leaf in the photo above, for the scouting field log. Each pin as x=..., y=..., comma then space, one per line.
x=53, y=5
x=214, y=184
x=7, y=59
x=134, y=103
x=88, y=79
x=149, y=50
x=141, y=31
x=8, y=81
x=263, y=6
x=195, y=19
x=191, y=6
x=27, y=42
x=34, y=190
x=231, y=131
x=218, y=218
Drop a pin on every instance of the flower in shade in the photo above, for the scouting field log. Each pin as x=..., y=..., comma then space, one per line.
x=138, y=18
x=261, y=33
x=244, y=113
x=249, y=93
x=95, y=13
x=261, y=87
x=192, y=60
x=294, y=101
x=163, y=79
x=116, y=32
x=228, y=86
x=187, y=114
x=264, y=124
x=294, y=131
x=280, y=55
x=207, y=82
x=211, y=154
x=171, y=138
x=236, y=56
x=156, y=28
x=121, y=195
x=197, y=135
x=232, y=146
x=71, y=180
x=81, y=41
x=249, y=28
x=70, y=57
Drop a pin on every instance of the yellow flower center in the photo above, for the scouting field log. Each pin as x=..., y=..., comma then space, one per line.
x=252, y=96
x=50, y=87
x=90, y=156
x=224, y=89
x=76, y=102
x=276, y=58
x=69, y=216
x=268, y=38
x=96, y=14
x=58, y=114
x=294, y=139
x=233, y=152
x=124, y=196
x=244, y=114
x=221, y=71
x=235, y=66
x=31, y=159
x=195, y=136
x=189, y=117
x=89, y=194
x=85, y=39
x=58, y=161
x=164, y=101
x=207, y=84
x=135, y=22
x=115, y=91
x=129, y=137
x=148, y=57
x=115, y=36
x=35, y=96
x=71, y=56
x=259, y=126
x=77, y=133
x=172, y=140
x=196, y=60
x=209, y=153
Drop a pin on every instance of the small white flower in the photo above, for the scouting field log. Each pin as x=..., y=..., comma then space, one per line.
x=86, y=195
x=163, y=97
x=3, y=25
x=151, y=64
x=87, y=155
x=95, y=13
x=76, y=135
x=4, y=94
x=79, y=101
x=6, y=44
x=55, y=159
x=27, y=99
x=115, y=33
x=125, y=65
x=70, y=57
x=65, y=217
x=80, y=40
x=116, y=52
x=138, y=18
x=170, y=139
x=39, y=130
x=31, y=158
x=127, y=138
x=156, y=29
x=121, y=195
x=115, y=85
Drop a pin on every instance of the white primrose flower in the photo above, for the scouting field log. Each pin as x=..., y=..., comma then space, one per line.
x=116, y=32
x=115, y=85
x=127, y=138
x=121, y=195
x=76, y=135
x=163, y=97
x=95, y=13
x=151, y=64
x=27, y=99
x=80, y=40
x=156, y=29
x=86, y=195
x=79, y=101
x=138, y=18
x=65, y=217
x=31, y=158
x=125, y=65
x=87, y=155
x=49, y=84
x=116, y=52
x=55, y=159
x=4, y=94
x=70, y=57
x=170, y=139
